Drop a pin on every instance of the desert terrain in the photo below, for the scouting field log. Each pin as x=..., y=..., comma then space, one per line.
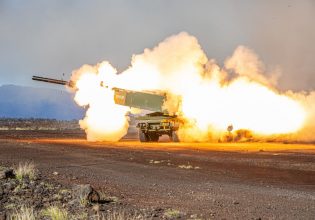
x=195, y=180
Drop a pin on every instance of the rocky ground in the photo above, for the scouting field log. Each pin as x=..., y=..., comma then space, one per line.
x=37, y=124
x=34, y=197
x=155, y=180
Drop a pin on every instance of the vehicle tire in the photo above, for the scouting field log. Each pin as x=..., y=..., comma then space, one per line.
x=174, y=136
x=142, y=136
x=154, y=137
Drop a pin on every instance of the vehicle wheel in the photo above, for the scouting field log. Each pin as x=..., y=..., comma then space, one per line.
x=174, y=136
x=154, y=137
x=143, y=137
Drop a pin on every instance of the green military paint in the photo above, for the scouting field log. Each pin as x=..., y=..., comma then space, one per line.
x=141, y=100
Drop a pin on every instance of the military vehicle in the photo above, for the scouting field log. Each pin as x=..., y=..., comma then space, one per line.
x=150, y=126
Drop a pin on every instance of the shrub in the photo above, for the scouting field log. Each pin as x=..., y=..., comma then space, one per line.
x=120, y=215
x=24, y=213
x=25, y=170
x=55, y=213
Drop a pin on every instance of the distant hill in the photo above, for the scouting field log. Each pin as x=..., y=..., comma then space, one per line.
x=28, y=102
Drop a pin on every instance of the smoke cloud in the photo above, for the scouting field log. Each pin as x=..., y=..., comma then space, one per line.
x=206, y=97
x=245, y=62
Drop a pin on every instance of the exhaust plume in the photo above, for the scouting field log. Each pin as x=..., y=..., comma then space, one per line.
x=239, y=101
x=104, y=120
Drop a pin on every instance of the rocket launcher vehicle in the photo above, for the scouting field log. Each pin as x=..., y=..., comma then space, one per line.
x=150, y=126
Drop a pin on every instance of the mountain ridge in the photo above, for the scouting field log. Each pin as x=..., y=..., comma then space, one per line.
x=30, y=102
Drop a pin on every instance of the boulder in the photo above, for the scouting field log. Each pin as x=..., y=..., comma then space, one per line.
x=2, y=216
x=6, y=173
x=86, y=192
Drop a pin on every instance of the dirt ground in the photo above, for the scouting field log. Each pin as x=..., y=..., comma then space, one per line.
x=204, y=180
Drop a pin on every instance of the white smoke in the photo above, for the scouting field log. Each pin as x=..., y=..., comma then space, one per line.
x=206, y=97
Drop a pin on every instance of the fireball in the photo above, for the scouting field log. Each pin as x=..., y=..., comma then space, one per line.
x=210, y=100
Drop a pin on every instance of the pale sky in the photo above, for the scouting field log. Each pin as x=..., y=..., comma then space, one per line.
x=53, y=37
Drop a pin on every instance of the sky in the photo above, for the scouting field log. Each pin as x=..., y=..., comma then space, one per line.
x=41, y=37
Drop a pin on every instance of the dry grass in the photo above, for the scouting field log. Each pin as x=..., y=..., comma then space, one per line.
x=25, y=170
x=55, y=213
x=83, y=200
x=104, y=197
x=24, y=213
x=120, y=215
x=172, y=213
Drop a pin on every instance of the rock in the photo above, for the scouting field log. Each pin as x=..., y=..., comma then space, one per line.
x=82, y=190
x=85, y=192
x=6, y=173
x=5, y=191
x=194, y=216
x=26, y=180
x=36, y=177
x=94, y=197
x=38, y=190
x=9, y=186
x=17, y=190
x=32, y=185
x=236, y=202
x=24, y=186
x=37, y=200
x=37, y=203
x=45, y=200
x=2, y=174
x=96, y=208
x=55, y=173
x=57, y=197
x=72, y=202
x=3, y=216
x=154, y=215
x=9, y=173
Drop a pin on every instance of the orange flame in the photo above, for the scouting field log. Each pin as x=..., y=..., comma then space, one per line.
x=209, y=98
